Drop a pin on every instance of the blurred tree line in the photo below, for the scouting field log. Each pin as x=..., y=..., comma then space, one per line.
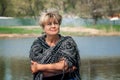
x=82, y=8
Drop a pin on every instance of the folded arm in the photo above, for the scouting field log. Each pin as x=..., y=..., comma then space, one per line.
x=51, y=69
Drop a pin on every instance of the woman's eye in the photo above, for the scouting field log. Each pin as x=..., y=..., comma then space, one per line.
x=55, y=23
x=49, y=24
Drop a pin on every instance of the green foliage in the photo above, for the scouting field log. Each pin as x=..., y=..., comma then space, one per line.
x=82, y=8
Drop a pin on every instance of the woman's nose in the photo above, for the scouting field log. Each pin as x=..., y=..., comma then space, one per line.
x=53, y=25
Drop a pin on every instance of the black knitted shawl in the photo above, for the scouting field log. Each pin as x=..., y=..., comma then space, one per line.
x=66, y=48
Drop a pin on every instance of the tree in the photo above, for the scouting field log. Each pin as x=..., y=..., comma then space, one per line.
x=3, y=7
x=95, y=10
x=113, y=7
x=83, y=8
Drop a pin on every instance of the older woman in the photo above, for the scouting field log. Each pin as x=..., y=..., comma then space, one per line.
x=54, y=57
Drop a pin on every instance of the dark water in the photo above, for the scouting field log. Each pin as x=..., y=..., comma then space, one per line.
x=99, y=58
x=18, y=22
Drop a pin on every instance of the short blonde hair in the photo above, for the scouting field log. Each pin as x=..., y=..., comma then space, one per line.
x=48, y=14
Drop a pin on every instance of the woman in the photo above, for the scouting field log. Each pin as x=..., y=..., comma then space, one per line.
x=54, y=57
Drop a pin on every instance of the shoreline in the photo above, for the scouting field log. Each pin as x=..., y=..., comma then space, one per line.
x=71, y=31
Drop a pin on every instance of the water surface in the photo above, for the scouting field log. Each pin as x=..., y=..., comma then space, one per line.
x=99, y=58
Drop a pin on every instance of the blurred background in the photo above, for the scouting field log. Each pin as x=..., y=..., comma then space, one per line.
x=93, y=24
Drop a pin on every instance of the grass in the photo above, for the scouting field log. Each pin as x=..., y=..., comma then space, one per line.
x=74, y=33
x=9, y=30
x=25, y=30
x=18, y=30
x=107, y=28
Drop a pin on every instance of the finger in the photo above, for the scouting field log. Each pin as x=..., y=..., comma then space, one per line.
x=32, y=61
x=74, y=68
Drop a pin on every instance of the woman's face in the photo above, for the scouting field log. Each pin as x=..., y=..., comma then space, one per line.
x=51, y=27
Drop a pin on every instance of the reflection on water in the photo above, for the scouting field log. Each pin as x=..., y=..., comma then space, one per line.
x=2, y=68
x=101, y=69
x=20, y=69
x=14, y=69
x=91, y=69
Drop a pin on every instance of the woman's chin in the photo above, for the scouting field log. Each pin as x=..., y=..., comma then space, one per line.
x=53, y=34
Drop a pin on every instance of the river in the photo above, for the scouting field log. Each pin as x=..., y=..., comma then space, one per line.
x=99, y=58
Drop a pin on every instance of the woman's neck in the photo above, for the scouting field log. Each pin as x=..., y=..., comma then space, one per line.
x=52, y=40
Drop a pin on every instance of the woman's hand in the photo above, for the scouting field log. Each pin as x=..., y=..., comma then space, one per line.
x=34, y=67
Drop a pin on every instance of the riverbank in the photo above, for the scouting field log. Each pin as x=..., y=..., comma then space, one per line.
x=35, y=31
